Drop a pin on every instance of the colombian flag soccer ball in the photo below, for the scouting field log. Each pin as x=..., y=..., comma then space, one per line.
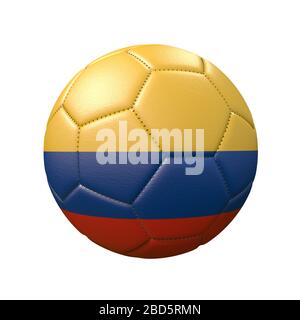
x=147, y=209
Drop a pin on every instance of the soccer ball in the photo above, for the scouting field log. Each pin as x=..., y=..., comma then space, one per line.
x=147, y=209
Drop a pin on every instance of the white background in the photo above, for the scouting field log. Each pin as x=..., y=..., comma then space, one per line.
x=44, y=43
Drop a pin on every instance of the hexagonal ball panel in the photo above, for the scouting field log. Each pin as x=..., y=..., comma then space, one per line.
x=167, y=57
x=105, y=87
x=183, y=100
